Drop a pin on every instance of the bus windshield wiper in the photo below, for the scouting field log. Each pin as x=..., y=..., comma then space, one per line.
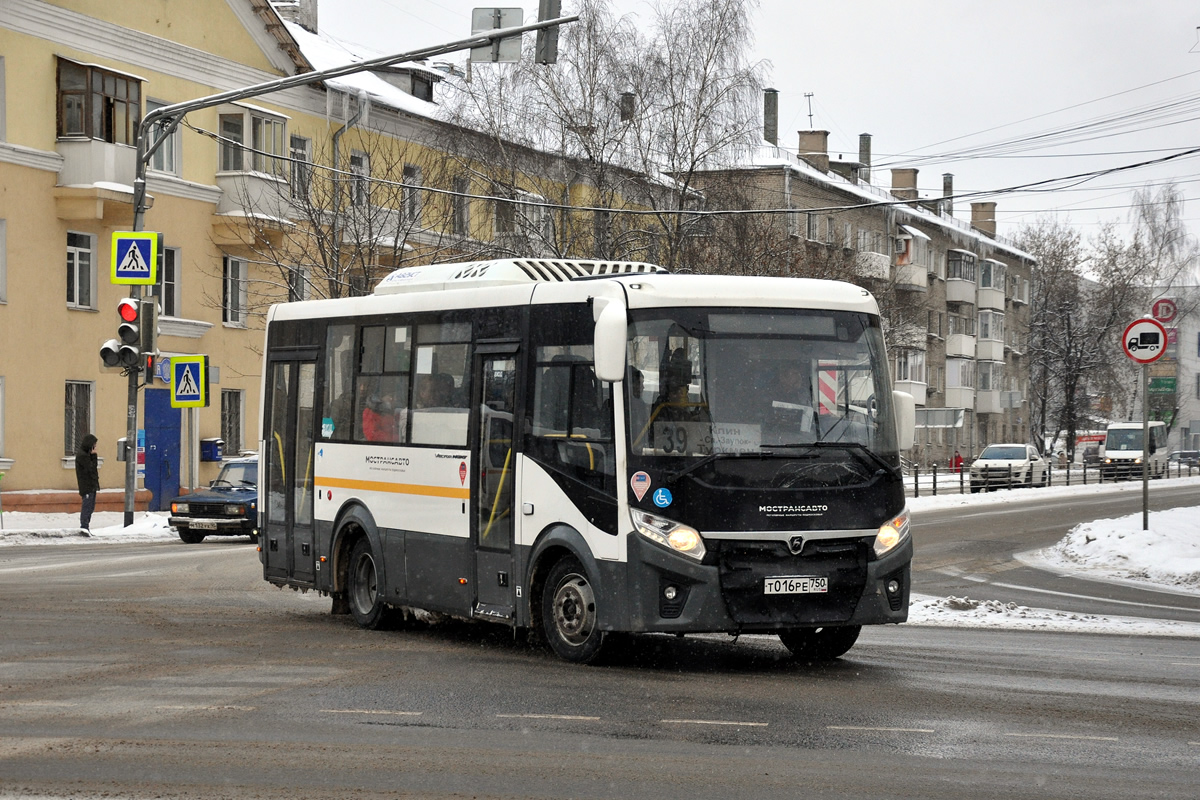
x=711, y=457
x=878, y=459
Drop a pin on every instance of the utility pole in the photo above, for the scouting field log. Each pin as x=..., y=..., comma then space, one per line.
x=164, y=120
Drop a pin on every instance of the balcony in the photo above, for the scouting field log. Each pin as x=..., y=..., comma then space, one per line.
x=960, y=291
x=990, y=298
x=960, y=345
x=253, y=206
x=917, y=390
x=989, y=350
x=960, y=397
x=872, y=265
x=95, y=182
x=987, y=402
x=911, y=277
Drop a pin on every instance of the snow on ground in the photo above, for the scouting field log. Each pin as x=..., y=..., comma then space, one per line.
x=1165, y=557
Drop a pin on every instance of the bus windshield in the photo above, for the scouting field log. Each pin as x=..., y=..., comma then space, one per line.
x=705, y=382
x=1123, y=439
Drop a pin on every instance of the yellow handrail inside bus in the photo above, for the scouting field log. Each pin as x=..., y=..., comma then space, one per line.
x=282, y=466
x=499, y=489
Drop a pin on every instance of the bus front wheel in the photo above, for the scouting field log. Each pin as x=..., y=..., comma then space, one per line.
x=569, y=613
x=362, y=588
x=820, y=644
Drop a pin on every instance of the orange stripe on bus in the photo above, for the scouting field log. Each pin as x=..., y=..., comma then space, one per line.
x=397, y=488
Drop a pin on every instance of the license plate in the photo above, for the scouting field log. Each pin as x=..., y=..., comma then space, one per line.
x=795, y=584
x=204, y=524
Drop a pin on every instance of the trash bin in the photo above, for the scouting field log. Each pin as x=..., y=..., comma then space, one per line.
x=212, y=449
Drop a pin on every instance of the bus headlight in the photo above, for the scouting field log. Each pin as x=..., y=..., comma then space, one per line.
x=892, y=533
x=680, y=538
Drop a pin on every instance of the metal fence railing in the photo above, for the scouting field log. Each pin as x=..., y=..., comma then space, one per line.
x=934, y=480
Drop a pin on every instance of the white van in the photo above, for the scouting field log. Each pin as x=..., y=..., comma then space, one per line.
x=1124, y=451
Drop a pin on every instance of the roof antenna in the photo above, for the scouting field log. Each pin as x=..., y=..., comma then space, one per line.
x=810, y=94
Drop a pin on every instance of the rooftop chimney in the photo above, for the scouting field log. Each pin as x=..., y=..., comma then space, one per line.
x=301, y=12
x=771, y=115
x=864, y=157
x=904, y=183
x=948, y=193
x=814, y=148
x=983, y=218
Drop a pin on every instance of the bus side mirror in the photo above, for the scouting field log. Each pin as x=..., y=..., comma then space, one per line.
x=906, y=419
x=611, y=330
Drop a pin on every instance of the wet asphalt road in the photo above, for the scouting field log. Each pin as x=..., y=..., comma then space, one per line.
x=167, y=670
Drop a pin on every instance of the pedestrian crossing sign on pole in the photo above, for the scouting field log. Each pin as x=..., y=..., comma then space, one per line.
x=189, y=382
x=135, y=257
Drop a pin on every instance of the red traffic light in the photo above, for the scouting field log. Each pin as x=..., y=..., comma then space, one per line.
x=128, y=309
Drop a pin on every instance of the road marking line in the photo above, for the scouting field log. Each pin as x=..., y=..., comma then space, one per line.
x=547, y=716
x=369, y=711
x=1088, y=597
x=715, y=722
x=890, y=730
x=1063, y=736
x=206, y=708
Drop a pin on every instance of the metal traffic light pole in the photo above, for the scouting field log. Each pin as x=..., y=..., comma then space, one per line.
x=167, y=118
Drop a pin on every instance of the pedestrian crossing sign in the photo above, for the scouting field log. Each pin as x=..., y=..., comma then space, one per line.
x=189, y=382
x=135, y=257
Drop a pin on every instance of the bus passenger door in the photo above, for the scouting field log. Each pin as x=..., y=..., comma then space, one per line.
x=492, y=496
x=287, y=538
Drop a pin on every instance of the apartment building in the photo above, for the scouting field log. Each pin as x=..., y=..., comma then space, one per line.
x=955, y=297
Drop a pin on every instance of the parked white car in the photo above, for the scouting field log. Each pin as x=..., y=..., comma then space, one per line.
x=1002, y=466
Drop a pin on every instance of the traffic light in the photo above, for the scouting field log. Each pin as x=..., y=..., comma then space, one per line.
x=137, y=334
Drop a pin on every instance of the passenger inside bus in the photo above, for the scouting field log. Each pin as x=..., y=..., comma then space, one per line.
x=792, y=396
x=379, y=418
x=673, y=403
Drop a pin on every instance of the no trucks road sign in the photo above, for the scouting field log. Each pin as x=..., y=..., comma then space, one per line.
x=1144, y=340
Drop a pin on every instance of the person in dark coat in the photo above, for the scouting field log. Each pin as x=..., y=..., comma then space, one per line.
x=87, y=474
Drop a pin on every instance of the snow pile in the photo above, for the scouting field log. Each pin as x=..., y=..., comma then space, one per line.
x=21, y=527
x=964, y=612
x=1167, y=555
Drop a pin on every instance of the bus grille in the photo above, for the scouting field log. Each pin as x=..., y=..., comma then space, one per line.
x=744, y=566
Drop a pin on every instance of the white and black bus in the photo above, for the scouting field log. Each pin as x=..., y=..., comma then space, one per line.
x=578, y=448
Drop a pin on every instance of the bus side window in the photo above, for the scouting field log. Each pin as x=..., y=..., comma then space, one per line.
x=337, y=421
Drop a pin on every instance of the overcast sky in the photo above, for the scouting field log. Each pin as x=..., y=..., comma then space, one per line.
x=931, y=79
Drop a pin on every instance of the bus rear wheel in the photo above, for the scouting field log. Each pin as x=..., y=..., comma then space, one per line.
x=820, y=644
x=362, y=588
x=569, y=613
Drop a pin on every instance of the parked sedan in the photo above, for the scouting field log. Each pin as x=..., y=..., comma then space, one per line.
x=228, y=507
x=1008, y=465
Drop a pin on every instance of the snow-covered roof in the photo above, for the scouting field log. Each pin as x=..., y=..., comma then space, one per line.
x=773, y=156
x=324, y=53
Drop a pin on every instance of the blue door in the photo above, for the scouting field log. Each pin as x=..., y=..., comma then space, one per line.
x=163, y=425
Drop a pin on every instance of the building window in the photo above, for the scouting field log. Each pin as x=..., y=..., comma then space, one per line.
x=422, y=88
x=267, y=136
x=232, y=140
x=80, y=270
x=813, y=227
x=77, y=416
x=167, y=288
x=991, y=325
x=97, y=104
x=166, y=157
x=960, y=373
x=360, y=180
x=460, y=206
x=960, y=323
x=412, y=194
x=990, y=376
x=297, y=279
x=960, y=265
x=231, y=419
x=302, y=170
x=519, y=212
x=233, y=300
x=991, y=275
x=910, y=366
